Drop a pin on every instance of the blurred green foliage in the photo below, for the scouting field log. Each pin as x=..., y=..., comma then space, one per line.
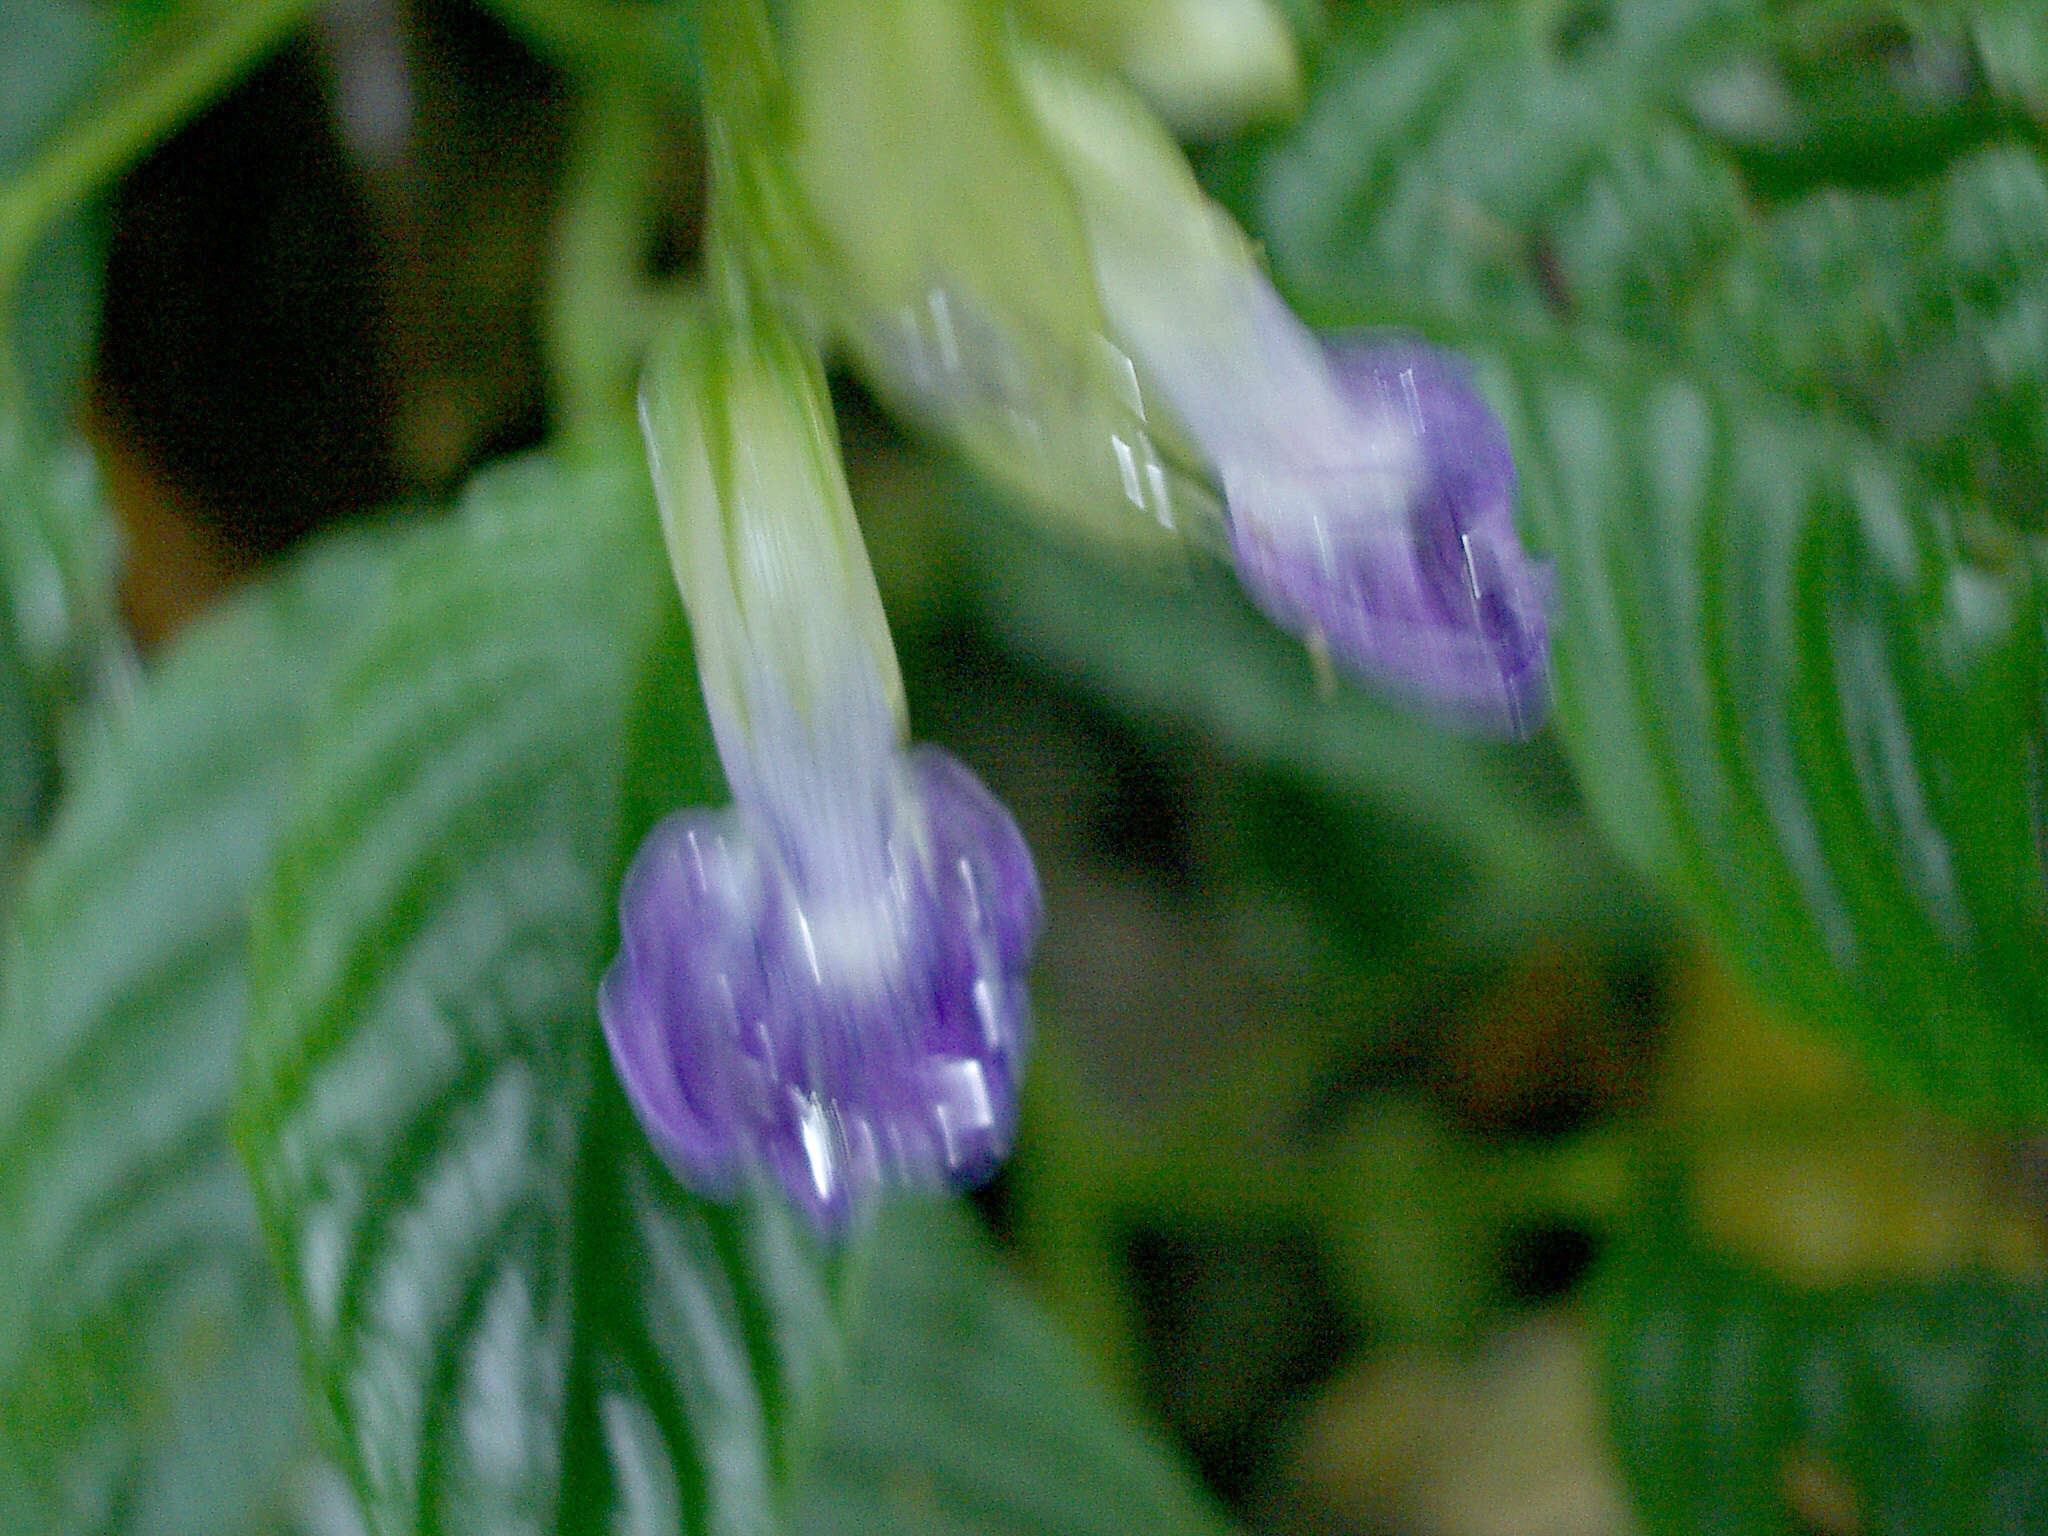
x=1760, y=293
x=146, y=1377
x=1775, y=426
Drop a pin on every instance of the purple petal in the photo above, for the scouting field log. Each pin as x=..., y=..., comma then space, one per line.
x=843, y=1037
x=1429, y=591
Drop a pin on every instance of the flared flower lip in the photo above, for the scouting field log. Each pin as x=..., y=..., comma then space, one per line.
x=1407, y=570
x=758, y=1036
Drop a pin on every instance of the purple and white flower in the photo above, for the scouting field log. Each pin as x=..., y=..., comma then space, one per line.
x=823, y=982
x=844, y=1027
x=1409, y=572
x=1368, y=489
x=1050, y=288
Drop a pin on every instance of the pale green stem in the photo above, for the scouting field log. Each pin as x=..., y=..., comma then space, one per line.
x=600, y=310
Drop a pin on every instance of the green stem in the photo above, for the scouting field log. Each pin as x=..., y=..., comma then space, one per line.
x=98, y=145
x=600, y=308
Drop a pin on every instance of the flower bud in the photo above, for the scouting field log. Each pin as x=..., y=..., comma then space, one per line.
x=824, y=982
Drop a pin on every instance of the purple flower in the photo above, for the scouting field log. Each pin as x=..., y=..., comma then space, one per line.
x=845, y=1034
x=1405, y=562
x=823, y=982
x=1368, y=489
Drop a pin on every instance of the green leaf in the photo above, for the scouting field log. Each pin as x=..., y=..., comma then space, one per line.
x=85, y=89
x=2012, y=49
x=147, y=1373
x=1534, y=166
x=1846, y=93
x=516, y=1318
x=1692, y=175
x=55, y=541
x=1799, y=657
x=654, y=45
x=1787, y=681
x=1922, y=316
x=51, y=52
x=1905, y=1407
x=58, y=555
x=1590, y=165
x=26, y=770
x=61, y=645
x=966, y=1412
x=56, y=321
x=89, y=89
